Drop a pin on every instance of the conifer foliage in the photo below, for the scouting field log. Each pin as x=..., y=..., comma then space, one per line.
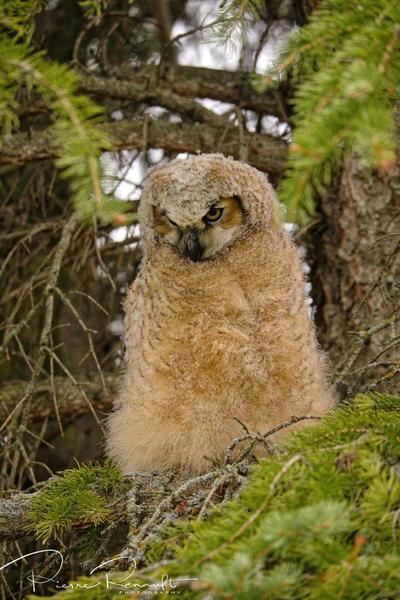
x=321, y=520
x=318, y=520
x=74, y=116
x=346, y=64
x=78, y=494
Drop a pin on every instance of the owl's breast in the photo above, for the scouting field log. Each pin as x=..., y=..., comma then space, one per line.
x=194, y=327
x=223, y=296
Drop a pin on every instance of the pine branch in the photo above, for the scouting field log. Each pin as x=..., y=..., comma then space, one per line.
x=159, y=94
x=265, y=152
x=235, y=87
x=319, y=518
x=73, y=128
x=347, y=66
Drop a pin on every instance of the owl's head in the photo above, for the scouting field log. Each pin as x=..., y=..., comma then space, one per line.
x=203, y=204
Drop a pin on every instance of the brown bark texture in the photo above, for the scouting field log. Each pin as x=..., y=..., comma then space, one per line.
x=265, y=152
x=355, y=273
x=63, y=395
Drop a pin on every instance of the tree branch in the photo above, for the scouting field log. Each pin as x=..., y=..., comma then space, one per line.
x=13, y=515
x=71, y=402
x=265, y=152
x=178, y=88
x=193, y=82
x=159, y=94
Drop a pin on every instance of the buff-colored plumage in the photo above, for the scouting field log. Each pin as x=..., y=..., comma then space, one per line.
x=212, y=340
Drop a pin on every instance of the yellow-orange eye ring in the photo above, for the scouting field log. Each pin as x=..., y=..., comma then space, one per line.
x=213, y=215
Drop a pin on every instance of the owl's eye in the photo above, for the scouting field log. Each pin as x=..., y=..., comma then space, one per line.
x=171, y=221
x=213, y=215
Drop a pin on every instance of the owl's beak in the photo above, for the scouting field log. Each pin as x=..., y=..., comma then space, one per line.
x=190, y=244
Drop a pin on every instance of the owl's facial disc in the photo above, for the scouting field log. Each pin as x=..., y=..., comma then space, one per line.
x=201, y=238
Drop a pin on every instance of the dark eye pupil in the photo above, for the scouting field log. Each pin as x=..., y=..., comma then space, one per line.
x=213, y=214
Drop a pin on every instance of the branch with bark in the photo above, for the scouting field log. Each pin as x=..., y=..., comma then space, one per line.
x=152, y=497
x=70, y=402
x=234, y=87
x=265, y=152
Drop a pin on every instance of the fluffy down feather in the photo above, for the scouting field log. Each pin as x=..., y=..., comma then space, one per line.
x=212, y=340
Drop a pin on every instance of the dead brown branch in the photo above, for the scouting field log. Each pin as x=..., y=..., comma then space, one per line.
x=17, y=418
x=71, y=403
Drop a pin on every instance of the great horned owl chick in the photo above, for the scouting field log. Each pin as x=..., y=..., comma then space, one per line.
x=217, y=327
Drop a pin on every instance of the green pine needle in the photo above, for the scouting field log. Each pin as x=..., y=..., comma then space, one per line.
x=346, y=63
x=77, y=495
x=75, y=118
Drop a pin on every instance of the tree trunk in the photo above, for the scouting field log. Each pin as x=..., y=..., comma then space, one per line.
x=355, y=273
